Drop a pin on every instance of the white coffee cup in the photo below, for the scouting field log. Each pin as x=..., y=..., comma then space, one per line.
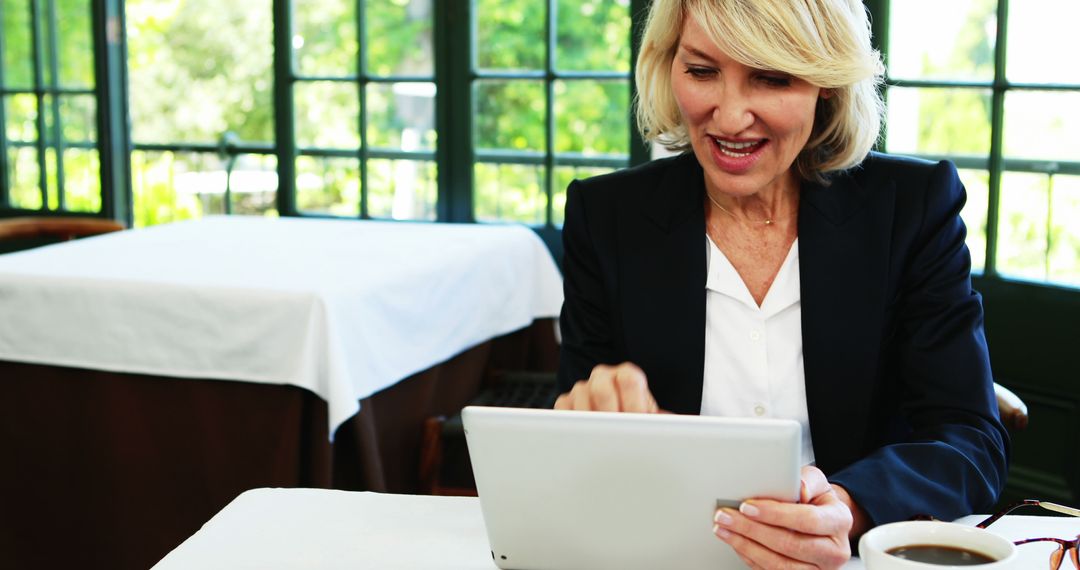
x=874, y=545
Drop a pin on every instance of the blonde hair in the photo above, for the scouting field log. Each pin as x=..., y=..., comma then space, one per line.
x=824, y=42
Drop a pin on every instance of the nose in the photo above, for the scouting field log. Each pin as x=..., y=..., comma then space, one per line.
x=733, y=112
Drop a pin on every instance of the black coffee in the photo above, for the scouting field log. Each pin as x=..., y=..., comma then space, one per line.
x=944, y=555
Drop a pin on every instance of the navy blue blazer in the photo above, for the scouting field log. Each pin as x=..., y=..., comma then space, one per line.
x=898, y=383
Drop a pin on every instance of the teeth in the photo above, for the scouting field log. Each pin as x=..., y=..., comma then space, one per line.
x=732, y=148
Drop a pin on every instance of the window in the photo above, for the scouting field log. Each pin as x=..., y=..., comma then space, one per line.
x=479, y=110
x=363, y=92
x=49, y=157
x=200, y=84
x=551, y=91
x=991, y=93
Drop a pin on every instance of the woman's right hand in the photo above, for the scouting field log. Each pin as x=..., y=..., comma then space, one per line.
x=621, y=388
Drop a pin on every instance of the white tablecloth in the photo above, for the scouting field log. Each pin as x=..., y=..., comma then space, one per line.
x=325, y=530
x=342, y=308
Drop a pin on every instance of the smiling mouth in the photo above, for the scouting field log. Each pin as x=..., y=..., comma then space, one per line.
x=738, y=149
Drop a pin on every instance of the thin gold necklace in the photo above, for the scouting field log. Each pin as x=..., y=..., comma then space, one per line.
x=766, y=221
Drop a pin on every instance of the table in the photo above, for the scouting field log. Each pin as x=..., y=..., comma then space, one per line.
x=325, y=530
x=340, y=308
x=148, y=377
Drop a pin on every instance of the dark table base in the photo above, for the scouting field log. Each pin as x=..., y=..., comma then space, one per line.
x=109, y=470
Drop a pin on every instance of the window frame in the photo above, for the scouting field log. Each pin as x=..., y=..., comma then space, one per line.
x=106, y=20
x=995, y=163
x=455, y=154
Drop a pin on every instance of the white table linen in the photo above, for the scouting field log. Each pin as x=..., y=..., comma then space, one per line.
x=340, y=307
x=325, y=530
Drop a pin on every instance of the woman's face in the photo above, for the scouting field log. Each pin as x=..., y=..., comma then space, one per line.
x=746, y=125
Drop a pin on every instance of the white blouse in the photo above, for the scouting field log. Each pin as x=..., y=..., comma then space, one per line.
x=754, y=355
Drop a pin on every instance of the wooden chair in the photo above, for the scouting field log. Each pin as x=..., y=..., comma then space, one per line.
x=1013, y=410
x=444, y=457
x=55, y=229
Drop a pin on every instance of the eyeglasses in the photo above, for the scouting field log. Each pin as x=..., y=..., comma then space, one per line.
x=1065, y=547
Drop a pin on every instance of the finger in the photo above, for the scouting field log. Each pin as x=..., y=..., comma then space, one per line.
x=579, y=397
x=827, y=517
x=633, y=389
x=814, y=483
x=563, y=402
x=756, y=555
x=602, y=390
x=821, y=550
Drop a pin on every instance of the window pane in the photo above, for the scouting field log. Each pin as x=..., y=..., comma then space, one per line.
x=76, y=57
x=1042, y=125
x=23, y=165
x=510, y=35
x=18, y=63
x=592, y=117
x=1038, y=230
x=51, y=165
x=20, y=112
x=1065, y=231
x=327, y=115
x=1022, y=222
x=510, y=192
x=401, y=115
x=174, y=186
x=23, y=172
x=564, y=175
x=324, y=37
x=253, y=185
x=402, y=189
x=939, y=121
x=328, y=185
x=78, y=118
x=1040, y=32
x=82, y=180
x=962, y=44
x=200, y=68
x=509, y=115
x=593, y=35
x=399, y=37
x=977, y=184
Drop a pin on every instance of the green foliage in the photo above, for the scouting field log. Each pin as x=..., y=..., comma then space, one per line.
x=324, y=37
x=17, y=66
x=154, y=185
x=591, y=116
x=957, y=121
x=399, y=37
x=510, y=35
x=200, y=68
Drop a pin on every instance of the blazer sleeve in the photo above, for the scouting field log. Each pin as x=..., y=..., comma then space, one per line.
x=947, y=454
x=585, y=320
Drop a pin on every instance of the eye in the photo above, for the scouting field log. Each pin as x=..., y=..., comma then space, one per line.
x=775, y=79
x=700, y=72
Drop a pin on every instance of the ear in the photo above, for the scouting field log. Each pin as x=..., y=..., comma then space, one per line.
x=826, y=93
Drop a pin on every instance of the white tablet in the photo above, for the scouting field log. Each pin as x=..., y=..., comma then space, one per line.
x=571, y=490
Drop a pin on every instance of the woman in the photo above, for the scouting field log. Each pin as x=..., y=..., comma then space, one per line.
x=780, y=269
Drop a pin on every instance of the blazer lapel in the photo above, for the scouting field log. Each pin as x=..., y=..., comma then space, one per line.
x=844, y=259
x=662, y=249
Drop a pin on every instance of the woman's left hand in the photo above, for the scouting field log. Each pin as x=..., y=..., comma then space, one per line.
x=810, y=534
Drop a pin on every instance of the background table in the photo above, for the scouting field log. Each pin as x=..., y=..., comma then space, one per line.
x=150, y=376
x=324, y=530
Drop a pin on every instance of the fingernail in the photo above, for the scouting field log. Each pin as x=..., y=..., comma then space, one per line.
x=749, y=510
x=723, y=518
x=723, y=533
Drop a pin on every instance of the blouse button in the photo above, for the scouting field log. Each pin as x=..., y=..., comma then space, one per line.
x=759, y=410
